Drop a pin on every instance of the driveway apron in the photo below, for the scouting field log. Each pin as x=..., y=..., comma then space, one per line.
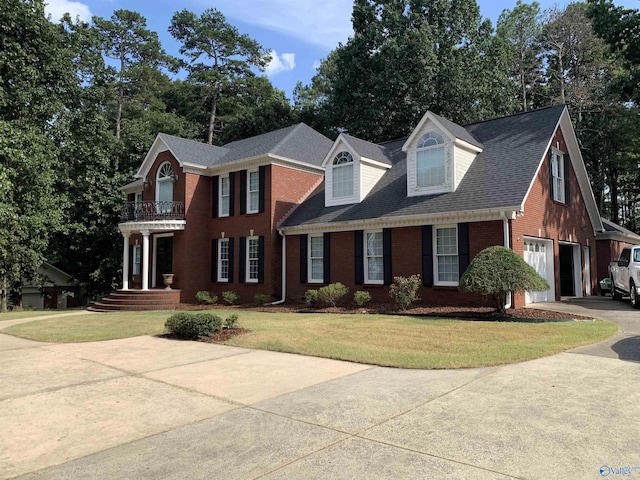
x=151, y=408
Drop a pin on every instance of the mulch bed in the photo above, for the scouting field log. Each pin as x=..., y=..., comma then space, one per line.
x=467, y=313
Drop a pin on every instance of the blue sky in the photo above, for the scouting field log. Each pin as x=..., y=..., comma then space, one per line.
x=300, y=33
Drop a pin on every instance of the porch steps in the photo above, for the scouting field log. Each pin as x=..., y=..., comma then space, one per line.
x=137, y=300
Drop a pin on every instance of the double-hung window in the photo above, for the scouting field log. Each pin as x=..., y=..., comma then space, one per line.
x=342, y=175
x=446, y=253
x=253, y=259
x=316, y=259
x=374, y=263
x=557, y=174
x=225, y=196
x=223, y=260
x=253, y=192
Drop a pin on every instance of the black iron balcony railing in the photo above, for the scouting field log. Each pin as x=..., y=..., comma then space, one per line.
x=149, y=211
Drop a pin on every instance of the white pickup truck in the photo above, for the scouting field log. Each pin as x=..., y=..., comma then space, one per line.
x=625, y=275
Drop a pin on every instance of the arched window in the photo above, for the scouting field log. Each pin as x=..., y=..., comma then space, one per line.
x=164, y=187
x=430, y=160
x=342, y=175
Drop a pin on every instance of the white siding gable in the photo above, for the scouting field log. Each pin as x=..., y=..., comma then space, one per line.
x=369, y=176
x=366, y=173
x=329, y=200
x=459, y=156
x=463, y=158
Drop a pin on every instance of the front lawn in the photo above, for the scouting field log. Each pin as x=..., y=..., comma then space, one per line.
x=389, y=340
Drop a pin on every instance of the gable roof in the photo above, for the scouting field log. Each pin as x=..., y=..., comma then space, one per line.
x=368, y=150
x=452, y=130
x=613, y=231
x=298, y=142
x=498, y=179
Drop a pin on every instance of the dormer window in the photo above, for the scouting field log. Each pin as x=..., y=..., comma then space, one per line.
x=342, y=174
x=430, y=160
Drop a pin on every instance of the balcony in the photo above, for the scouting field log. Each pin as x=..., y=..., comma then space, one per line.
x=152, y=211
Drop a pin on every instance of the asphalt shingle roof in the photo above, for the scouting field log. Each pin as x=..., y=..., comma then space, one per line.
x=298, y=142
x=499, y=177
x=369, y=150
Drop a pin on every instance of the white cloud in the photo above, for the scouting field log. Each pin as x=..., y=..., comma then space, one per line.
x=280, y=63
x=57, y=8
x=324, y=24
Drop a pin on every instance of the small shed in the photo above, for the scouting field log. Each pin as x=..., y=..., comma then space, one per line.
x=56, y=290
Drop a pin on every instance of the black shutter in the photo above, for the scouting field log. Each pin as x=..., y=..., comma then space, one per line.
x=230, y=260
x=215, y=183
x=243, y=192
x=386, y=256
x=261, y=193
x=261, y=259
x=427, y=255
x=463, y=247
x=214, y=260
x=358, y=251
x=567, y=180
x=551, y=186
x=242, y=259
x=232, y=192
x=303, y=258
x=326, y=258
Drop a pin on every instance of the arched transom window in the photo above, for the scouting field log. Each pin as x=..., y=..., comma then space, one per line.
x=164, y=183
x=430, y=160
x=342, y=175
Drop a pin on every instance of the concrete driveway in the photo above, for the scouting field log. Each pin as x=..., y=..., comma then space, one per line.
x=151, y=408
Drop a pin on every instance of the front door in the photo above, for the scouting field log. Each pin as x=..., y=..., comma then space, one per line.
x=164, y=258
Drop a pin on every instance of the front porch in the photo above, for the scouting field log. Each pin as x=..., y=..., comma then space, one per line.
x=152, y=220
x=138, y=300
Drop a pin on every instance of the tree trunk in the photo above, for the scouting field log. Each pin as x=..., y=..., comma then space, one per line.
x=4, y=294
x=212, y=118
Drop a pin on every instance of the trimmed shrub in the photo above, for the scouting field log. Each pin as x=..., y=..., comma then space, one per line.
x=230, y=297
x=231, y=322
x=205, y=297
x=332, y=293
x=495, y=271
x=404, y=290
x=361, y=298
x=261, y=298
x=193, y=325
x=311, y=296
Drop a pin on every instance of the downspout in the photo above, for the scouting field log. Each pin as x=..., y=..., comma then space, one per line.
x=284, y=270
x=507, y=244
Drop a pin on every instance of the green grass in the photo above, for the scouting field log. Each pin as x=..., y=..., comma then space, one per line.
x=398, y=341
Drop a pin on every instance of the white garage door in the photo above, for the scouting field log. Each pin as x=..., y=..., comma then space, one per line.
x=535, y=254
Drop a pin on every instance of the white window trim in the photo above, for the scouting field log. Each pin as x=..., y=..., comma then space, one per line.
x=435, y=256
x=443, y=146
x=366, y=257
x=220, y=278
x=249, y=191
x=247, y=270
x=220, y=196
x=343, y=166
x=558, y=193
x=310, y=279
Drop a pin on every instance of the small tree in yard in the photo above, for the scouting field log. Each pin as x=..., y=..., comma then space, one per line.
x=495, y=271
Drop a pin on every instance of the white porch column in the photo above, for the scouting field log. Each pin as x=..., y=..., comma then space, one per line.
x=145, y=260
x=125, y=262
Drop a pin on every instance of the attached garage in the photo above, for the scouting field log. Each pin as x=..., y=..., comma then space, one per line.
x=538, y=253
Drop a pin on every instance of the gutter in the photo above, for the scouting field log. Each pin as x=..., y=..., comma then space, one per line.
x=284, y=270
x=507, y=244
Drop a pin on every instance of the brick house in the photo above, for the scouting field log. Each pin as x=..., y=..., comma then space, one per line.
x=290, y=210
x=609, y=244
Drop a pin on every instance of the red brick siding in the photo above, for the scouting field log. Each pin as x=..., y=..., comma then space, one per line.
x=545, y=218
x=406, y=260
